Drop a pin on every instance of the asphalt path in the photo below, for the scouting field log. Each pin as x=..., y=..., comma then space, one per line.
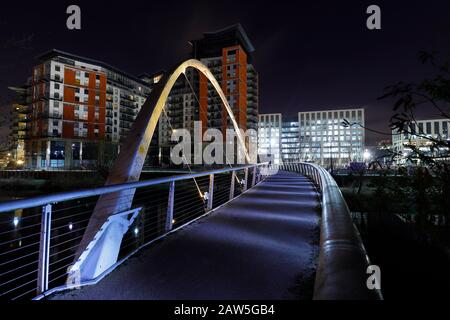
x=262, y=245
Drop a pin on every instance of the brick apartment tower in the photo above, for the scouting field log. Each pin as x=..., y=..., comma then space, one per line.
x=74, y=111
x=227, y=53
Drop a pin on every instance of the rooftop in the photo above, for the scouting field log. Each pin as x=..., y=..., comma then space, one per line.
x=212, y=42
x=58, y=53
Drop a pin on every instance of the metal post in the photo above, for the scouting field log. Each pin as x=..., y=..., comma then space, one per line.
x=254, y=176
x=233, y=174
x=44, y=248
x=258, y=175
x=211, y=192
x=245, y=178
x=169, y=216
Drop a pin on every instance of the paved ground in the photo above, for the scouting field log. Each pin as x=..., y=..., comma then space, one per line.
x=263, y=245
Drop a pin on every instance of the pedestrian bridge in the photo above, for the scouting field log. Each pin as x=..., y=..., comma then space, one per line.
x=249, y=232
x=261, y=245
x=254, y=231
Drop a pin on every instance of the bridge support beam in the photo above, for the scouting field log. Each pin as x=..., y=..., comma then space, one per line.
x=103, y=251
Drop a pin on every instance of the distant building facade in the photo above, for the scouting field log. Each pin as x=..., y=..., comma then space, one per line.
x=74, y=111
x=269, y=137
x=323, y=139
x=416, y=135
x=290, y=140
x=314, y=136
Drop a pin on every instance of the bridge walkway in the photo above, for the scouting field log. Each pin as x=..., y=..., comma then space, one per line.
x=262, y=245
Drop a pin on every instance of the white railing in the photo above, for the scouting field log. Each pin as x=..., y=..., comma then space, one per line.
x=39, y=236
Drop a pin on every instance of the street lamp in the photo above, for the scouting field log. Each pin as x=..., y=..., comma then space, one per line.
x=367, y=155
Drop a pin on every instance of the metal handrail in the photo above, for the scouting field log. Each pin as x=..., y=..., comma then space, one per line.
x=84, y=193
x=343, y=260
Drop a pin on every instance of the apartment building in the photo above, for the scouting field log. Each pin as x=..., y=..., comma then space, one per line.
x=76, y=111
x=20, y=116
x=227, y=53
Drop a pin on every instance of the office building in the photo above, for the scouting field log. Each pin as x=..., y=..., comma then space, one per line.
x=290, y=143
x=278, y=138
x=315, y=136
x=325, y=141
x=416, y=135
x=269, y=137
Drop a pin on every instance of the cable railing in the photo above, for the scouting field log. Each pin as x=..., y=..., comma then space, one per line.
x=343, y=261
x=40, y=236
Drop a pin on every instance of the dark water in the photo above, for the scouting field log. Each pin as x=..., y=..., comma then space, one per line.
x=412, y=266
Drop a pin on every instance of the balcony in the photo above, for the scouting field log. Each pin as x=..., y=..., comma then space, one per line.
x=128, y=111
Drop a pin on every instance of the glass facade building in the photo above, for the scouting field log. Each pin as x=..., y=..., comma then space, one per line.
x=290, y=144
x=269, y=137
x=325, y=141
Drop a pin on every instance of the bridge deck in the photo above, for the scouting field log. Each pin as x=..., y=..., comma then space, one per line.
x=262, y=245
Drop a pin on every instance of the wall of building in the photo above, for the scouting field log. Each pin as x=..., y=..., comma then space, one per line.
x=315, y=136
x=269, y=137
x=80, y=112
x=324, y=140
x=417, y=135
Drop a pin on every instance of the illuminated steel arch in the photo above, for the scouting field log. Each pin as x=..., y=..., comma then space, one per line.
x=130, y=161
x=92, y=260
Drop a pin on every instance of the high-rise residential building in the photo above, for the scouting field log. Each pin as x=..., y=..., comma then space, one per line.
x=75, y=111
x=269, y=137
x=20, y=117
x=227, y=53
x=325, y=141
x=416, y=135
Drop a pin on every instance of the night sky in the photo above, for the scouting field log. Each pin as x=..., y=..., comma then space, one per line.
x=310, y=56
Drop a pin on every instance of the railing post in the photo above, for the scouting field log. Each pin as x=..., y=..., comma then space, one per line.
x=44, y=248
x=170, y=203
x=254, y=176
x=210, y=192
x=233, y=175
x=258, y=175
x=245, y=178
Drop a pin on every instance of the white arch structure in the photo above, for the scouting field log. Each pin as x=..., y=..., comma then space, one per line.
x=94, y=257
